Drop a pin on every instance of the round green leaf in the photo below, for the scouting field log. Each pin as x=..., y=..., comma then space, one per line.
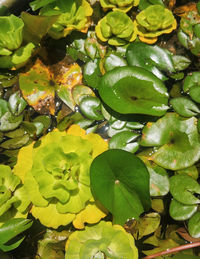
x=120, y=181
x=176, y=139
x=159, y=180
x=192, y=86
x=113, y=60
x=180, y=211
x=194, y=225
x=183, y=188
x=134, y=90
x=92, y=73
x=91, y=108
x=184, y=106
x=125, y=140
x=152, y=58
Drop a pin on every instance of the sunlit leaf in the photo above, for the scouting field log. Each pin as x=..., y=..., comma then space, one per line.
x=123, y=178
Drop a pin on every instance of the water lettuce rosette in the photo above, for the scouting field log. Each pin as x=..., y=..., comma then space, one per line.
x=117, y=28
x=72, y=15
x=12, y=53
x=121, y=5
x=103, y=240
x=13, y=198
x=55, y=172
x=154, y=21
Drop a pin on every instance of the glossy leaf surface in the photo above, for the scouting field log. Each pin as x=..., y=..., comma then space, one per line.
x=134, y=90
x=124, y=178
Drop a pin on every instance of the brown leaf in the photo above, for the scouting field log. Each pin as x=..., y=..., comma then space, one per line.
x=185, y=9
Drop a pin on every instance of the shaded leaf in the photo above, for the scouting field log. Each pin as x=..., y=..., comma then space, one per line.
x=194, y=225
x=15, y=143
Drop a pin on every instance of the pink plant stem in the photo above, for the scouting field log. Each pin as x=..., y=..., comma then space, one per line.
x=173, y=250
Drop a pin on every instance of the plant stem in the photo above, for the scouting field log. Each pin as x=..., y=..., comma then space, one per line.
x=173, y=250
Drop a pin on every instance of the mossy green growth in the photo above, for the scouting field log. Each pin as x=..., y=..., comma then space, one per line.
x=72, y=15
x=154, y=21
x=121, y=5
x=12, y=53
x=56, y=175
x=117, y=28
x=101, y=241
x=13, y=198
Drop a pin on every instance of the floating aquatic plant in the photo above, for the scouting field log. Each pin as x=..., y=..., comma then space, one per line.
x=56, y=176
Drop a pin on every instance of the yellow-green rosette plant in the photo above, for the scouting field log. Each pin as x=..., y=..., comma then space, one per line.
x=72, y=15
x=121, y=5
x=102, y=241
x=13, y=197
x=56, y=177
x=117, y=28
x=12, y=54
x=154, y=21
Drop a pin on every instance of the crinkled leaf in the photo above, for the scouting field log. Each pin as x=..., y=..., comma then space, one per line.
x=134, y=90
x=123, y=178
x=183, y=188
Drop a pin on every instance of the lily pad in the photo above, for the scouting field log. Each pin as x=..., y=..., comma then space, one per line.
x=180, y=211
x=192, y=86
x=159, y=180
x=125, y=140
x=152, y=58
x=184, y=106
x=123, y=178
x=134, y=90
x=183, y=188
x=176, y=140
x=92, y=73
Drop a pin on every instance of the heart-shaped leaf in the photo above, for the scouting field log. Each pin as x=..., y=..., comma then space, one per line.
x=91, y=108
x=134, y=90
x=120, y=181
x=152, y=58
x=184, y=106
x=176, y=139
x=125, y=140
x=180, y=211
x=183, y=188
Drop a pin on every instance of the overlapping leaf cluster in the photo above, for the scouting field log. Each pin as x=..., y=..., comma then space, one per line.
x=97, y=121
